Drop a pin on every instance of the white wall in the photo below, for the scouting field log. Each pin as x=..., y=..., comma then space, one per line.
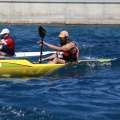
x=59, y=1
x=63, y=12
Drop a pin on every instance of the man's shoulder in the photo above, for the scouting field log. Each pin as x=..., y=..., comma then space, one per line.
x=72, y=43
x=9, y=39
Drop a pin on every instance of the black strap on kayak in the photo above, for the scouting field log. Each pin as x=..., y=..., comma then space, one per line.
x=42, y=33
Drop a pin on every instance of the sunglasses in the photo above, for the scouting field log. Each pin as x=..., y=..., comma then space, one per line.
x=62, y=38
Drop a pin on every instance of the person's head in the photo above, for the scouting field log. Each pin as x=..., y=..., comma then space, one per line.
x=64, y=35
x=5, y=33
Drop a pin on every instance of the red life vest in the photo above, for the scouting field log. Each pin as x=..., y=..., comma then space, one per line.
x=9, y=47
x=71, y=57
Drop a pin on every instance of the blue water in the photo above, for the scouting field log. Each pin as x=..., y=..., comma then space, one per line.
x=71, y=93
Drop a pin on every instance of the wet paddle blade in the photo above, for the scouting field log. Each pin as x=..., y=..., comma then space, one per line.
x=41, y=32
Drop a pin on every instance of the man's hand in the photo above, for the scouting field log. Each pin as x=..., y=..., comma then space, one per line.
x=42, y=60
x=41, y=42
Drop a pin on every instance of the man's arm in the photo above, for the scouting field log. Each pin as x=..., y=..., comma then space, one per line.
x=2, y=43
x=63, y=48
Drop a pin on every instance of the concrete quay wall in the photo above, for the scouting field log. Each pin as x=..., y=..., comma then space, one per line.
x=59, y=12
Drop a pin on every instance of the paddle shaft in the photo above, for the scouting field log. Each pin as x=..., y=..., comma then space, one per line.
x=41, y=47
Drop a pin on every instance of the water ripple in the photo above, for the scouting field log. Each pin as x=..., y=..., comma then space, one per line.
x=71, y=93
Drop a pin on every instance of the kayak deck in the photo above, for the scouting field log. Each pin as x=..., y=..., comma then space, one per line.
x=25, y=68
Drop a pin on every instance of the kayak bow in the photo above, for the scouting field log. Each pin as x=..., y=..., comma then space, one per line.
x=25, y=68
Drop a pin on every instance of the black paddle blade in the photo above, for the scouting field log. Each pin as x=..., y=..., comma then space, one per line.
x=41, y=32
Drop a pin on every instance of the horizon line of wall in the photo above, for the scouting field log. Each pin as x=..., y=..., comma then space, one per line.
x=83, y=12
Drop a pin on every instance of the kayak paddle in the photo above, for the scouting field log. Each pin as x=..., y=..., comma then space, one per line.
x=42, y=33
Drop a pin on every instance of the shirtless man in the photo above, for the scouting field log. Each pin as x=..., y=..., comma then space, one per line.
x=66, y=52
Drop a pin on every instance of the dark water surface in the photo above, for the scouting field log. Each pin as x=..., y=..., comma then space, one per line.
x=71, y=93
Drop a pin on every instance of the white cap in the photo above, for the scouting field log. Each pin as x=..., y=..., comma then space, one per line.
x=4, y=31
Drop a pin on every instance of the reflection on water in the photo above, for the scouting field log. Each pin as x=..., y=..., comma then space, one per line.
x=79, y=70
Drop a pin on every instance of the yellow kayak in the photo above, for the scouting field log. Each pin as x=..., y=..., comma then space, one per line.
x=25, y=68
